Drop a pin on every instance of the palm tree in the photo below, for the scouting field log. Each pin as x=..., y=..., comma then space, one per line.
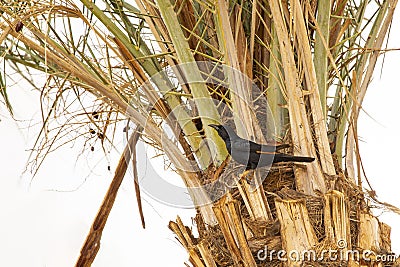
x=279, y=71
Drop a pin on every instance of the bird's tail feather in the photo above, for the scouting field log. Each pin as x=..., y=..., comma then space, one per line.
x=289, y=158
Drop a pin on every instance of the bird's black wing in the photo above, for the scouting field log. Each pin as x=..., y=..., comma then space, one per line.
x=266, y=148
x=241, y=144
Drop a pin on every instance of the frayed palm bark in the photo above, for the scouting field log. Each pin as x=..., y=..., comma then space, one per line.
x=296, y=229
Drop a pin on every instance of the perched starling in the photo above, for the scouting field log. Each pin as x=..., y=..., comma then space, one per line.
x=251, y=154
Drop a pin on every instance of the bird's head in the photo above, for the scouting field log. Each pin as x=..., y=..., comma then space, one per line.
x=224, y=131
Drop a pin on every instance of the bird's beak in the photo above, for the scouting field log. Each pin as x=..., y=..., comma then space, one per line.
x=214, y=126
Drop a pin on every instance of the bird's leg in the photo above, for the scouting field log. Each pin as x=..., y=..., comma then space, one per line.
x=245, y=173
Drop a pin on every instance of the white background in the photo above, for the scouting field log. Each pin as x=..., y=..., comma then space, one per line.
x=45, y=223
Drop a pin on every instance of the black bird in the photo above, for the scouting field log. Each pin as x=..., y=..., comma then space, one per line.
x=251, y=154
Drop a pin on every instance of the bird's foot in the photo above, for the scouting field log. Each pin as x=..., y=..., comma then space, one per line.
x=245, y=175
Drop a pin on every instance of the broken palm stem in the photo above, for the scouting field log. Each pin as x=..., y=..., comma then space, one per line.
x=92, y=243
